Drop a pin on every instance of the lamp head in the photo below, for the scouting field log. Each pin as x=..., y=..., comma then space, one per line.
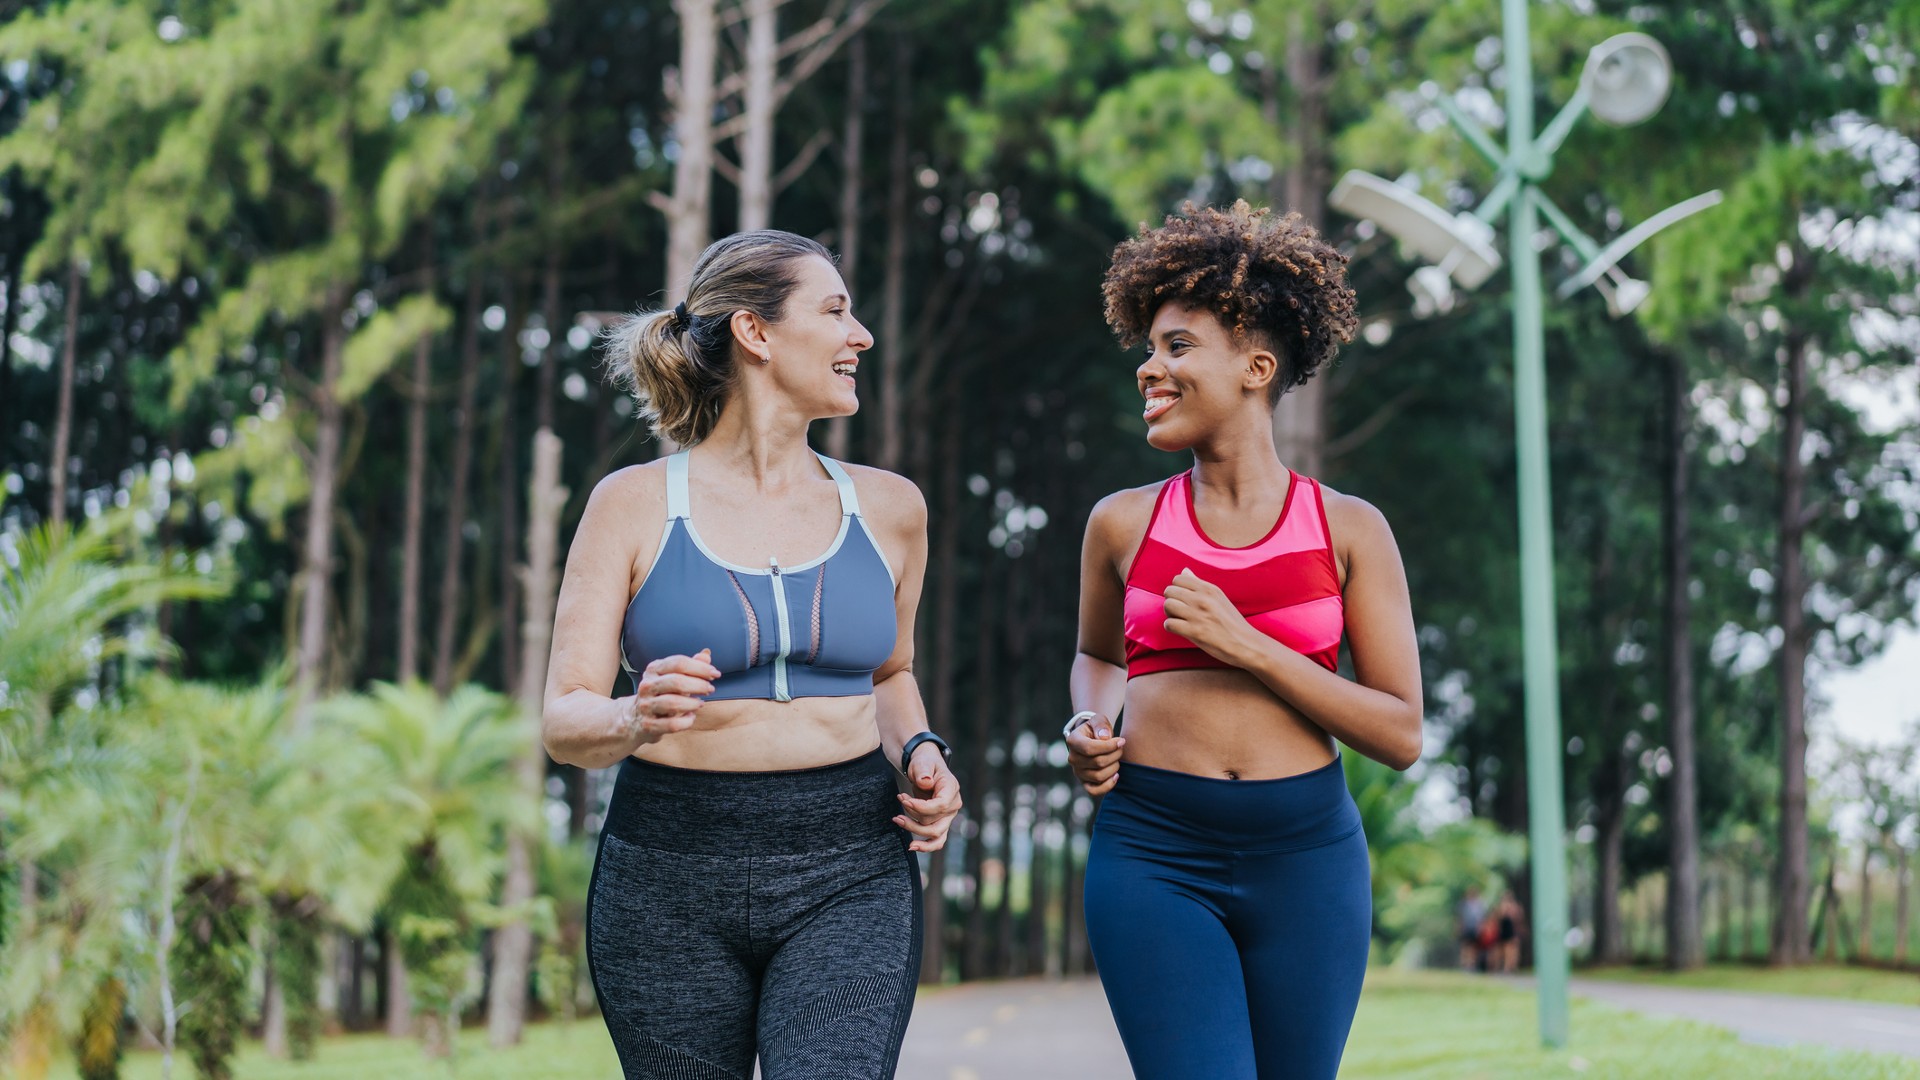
x=1432, y=291
x=1627, y=78
x=1459, y=243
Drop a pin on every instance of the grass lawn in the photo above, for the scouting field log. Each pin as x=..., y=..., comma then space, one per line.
x=1412, y=1026
x=577, y=1051
x=1834, y=981
x=1457, y=1027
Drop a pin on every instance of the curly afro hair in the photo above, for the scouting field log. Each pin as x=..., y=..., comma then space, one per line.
x=1259, y=275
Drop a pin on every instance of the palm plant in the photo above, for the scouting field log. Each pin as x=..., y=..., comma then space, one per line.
x=292, y=819
x=1418, y=869
x=67, y=601
x=566, y=874
x=444, y=770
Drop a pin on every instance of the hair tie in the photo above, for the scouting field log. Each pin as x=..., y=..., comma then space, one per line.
x=681, y=320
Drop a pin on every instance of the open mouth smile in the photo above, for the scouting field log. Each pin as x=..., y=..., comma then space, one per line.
x=1158, y=402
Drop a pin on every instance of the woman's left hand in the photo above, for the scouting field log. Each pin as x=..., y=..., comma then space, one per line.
x=1200, y=611
x=929, y=812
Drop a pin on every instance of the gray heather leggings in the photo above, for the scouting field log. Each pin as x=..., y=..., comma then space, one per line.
x=741, y=913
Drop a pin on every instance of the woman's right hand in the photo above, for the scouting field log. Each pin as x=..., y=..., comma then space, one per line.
x=670, y=692
x=1093, y=752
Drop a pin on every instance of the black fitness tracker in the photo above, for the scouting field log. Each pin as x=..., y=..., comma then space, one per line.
x=906, y=752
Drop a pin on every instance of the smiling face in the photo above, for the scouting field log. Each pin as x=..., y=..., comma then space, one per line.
x=1198, y=380
x=814, y=350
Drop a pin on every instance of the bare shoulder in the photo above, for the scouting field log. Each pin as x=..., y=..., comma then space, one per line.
x=634, y=485
x=1125, y=512
x=629, y=502
x=1355, y=523
x=888, y=499
x=1118, y=524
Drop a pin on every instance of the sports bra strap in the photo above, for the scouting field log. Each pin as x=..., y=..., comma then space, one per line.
x=849, y=502
x=679, y=505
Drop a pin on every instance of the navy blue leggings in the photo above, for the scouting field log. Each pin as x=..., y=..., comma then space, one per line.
x=1229, y=920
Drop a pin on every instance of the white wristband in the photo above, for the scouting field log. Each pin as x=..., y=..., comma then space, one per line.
x=1077, y=719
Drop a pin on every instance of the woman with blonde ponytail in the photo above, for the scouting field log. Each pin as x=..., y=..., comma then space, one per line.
x=755, y=893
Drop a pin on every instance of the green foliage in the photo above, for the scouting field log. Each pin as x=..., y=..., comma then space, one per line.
x=211, y=963
x=97, y=1049
x=69, y=601
x=1419, y=871
x=566, y=874
x=384, y=337
x=443, y=773
x=1201, y=126
x=437, y=941
x=295, y=946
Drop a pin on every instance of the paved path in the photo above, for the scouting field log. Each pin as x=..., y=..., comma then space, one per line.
x=1773, y=1019
x=1041, y=1030
x=1022, y=1029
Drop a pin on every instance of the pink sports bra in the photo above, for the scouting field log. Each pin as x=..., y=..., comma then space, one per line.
x=1286, y=584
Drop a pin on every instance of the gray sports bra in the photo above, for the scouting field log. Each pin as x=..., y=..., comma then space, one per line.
x=819, y=629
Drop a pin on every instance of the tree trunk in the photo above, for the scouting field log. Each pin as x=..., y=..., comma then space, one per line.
x=316, y=570
x=513, y=943
x=1901, y=896
x=1791, y=944
x=550, y=318
x=353, y=1002
x=9, y=315
x=692, y=93
x=1014, y=626
x=1073, y=915
x=1686, y=948
x=985, y=702
x=1828, y=918
x=445, y=639
x=852, y=137
x=1865, y=950
x=1609, y=938
x=399, y=998
x=1039, y=877
x=273, y=1017
x=63, y=411
x=1300, y=418
x=1727, y=913
x=507, y=526
x=1748, y=923
x=408, y=663
x=946, y=594
x=757, y=105
x=893, y=299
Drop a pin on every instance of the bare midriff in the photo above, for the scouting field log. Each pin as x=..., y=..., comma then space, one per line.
x=770, y=736
x=1219, y=722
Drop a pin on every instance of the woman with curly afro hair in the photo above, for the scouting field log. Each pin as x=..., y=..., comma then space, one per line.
x=1227, y=893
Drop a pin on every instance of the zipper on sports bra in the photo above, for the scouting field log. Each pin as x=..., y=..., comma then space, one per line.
x=780, y=692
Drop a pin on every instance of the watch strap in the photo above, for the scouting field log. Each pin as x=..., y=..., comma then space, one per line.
x=906, y=752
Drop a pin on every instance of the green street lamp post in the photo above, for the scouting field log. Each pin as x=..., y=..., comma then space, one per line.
x=1625, y=81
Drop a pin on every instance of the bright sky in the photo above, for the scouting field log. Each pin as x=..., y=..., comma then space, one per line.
x=1874, y=702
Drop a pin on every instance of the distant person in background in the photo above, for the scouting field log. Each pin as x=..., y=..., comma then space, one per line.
x=755, y=893
x=1508, y=922
x=1472, y=912
x=1227, y=894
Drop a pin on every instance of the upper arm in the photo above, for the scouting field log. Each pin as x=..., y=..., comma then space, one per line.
x=616, y=534
x=1112, y=524
x=1379, y=611
x=898, y=512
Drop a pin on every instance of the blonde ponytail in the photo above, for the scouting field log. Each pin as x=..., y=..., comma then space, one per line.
x=655, y=357
x=680, y=364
